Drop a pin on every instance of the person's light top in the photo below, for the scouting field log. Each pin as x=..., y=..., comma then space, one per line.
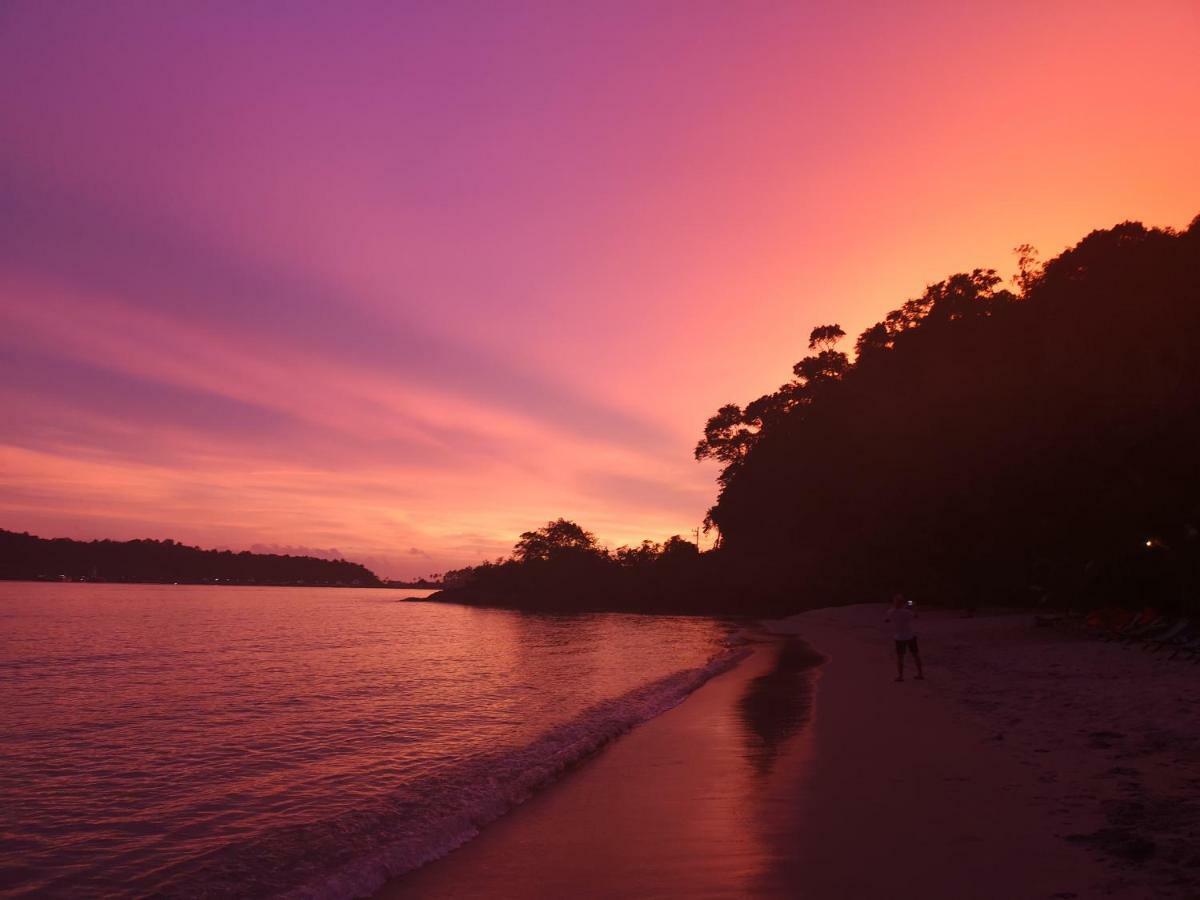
x=902, y=618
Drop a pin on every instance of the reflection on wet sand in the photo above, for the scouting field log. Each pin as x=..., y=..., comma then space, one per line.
x=775, y=706
x=698, y=802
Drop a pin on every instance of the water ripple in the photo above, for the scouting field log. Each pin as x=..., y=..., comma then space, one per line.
x=208, y=742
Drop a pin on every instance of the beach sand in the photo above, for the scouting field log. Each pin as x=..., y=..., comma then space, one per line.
x=1029, y=764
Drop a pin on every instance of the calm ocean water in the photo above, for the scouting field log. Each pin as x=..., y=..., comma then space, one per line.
x=205, y=742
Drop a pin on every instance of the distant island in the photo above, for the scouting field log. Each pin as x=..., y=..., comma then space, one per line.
x=25, y=557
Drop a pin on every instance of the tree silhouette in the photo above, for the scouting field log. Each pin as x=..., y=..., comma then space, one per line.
x=982, y=441
x=824, y=337
x=828, y=365
x=732, y=432
x=981, y=435
x=1029, y=269
x=553, y=539
x=726, y=437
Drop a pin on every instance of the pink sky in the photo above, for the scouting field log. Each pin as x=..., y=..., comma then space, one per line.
x=406, y=281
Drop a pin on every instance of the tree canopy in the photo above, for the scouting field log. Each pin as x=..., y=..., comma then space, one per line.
x=982, y=438
x=985, y=437
x=553, y=539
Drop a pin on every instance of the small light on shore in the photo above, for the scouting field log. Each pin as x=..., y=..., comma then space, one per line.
x=1149, y=543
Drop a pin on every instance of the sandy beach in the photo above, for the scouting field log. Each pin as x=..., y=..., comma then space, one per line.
x=1030, y=763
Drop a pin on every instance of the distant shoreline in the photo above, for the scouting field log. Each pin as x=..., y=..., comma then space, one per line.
x=224, y=583
x=27, y=557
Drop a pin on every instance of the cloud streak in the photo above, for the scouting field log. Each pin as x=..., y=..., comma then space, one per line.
x=99, y=248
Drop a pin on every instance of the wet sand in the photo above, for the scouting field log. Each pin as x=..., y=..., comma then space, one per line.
x=785, y=779
x=908, y=797
x=694, y=803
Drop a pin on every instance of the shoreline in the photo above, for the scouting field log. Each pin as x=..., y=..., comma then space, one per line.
x=691, y=779
x=994, y=778
x=907, y=797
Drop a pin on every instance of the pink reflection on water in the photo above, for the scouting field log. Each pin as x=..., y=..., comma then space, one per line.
x=225, y=741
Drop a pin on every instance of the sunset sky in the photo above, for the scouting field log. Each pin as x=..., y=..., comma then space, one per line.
x=401, y=281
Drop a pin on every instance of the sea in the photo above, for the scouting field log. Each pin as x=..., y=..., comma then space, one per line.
x=196, y=741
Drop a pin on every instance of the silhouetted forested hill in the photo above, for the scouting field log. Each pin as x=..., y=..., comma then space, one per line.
x=986, y=441
x=1039, y=444
x=23, y=556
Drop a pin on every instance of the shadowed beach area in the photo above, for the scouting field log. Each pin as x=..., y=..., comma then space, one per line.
x=1020, y=768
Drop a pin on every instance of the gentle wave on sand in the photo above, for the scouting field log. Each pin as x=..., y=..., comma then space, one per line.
x=219, y=742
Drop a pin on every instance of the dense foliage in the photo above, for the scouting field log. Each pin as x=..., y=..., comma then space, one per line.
x=984, y=444
x=561, y=567
x=23, y=556
x=986, y=441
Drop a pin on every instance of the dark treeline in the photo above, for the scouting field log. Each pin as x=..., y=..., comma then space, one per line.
x=561, y=567
x=25, y=557
x=984, y=444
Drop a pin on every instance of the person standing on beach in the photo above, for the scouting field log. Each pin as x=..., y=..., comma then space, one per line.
x=902, y=615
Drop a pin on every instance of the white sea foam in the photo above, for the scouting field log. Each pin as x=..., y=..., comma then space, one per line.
x=193, y=742
x=487, y=788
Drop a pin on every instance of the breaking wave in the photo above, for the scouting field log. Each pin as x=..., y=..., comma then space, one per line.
x=353, y=854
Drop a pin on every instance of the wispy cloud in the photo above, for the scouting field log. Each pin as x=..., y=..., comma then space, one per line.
x=214, y=298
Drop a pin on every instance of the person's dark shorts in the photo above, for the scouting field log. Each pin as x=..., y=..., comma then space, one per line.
x=910, y=644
